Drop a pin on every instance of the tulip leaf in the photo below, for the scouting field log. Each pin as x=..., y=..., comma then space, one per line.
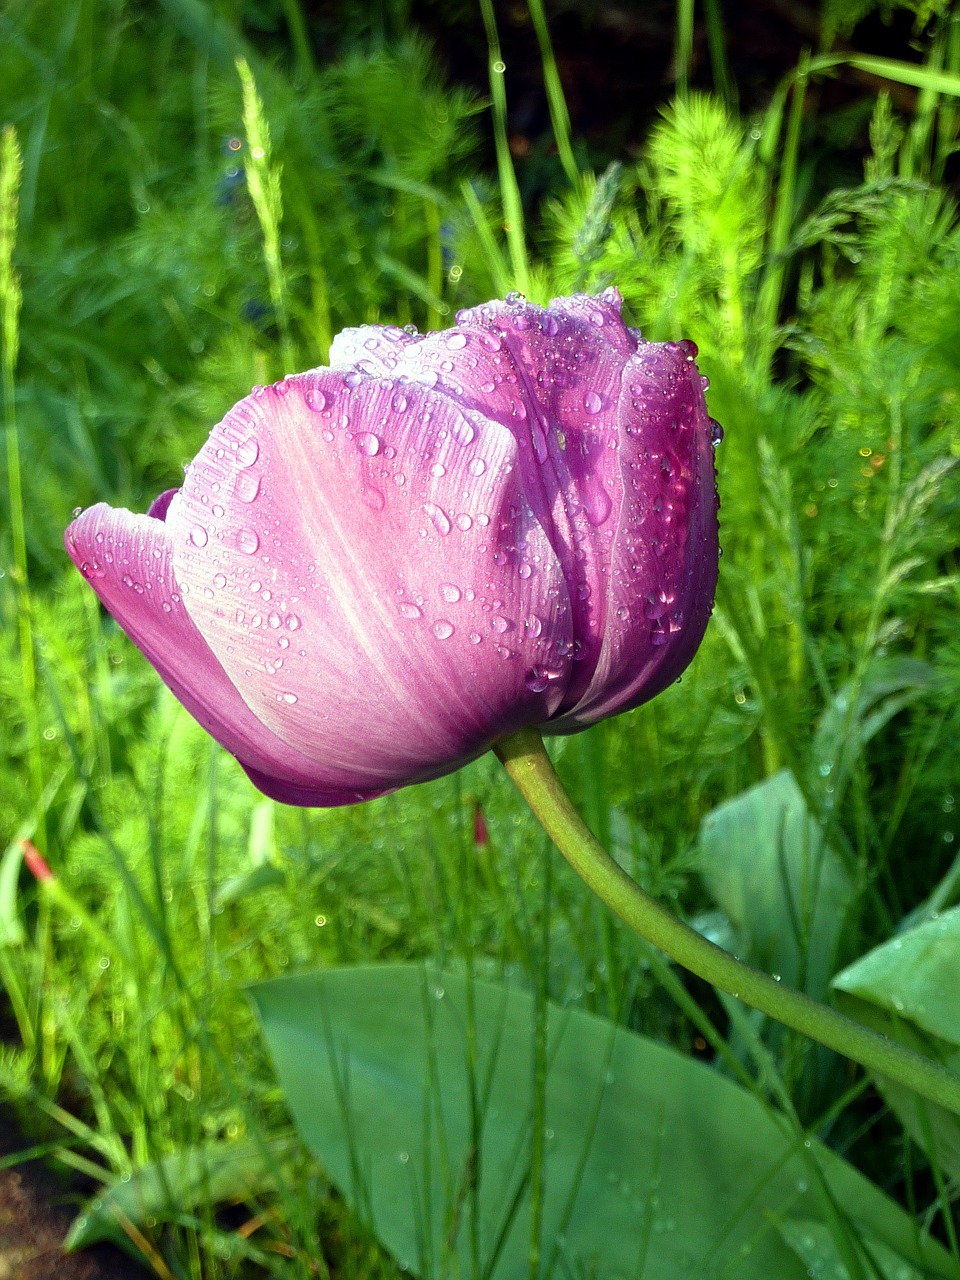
x=654, y=1163
x=858, y=713
x=908, y=989
x=768, y=865
x=176, y=1183
x=814, y=1245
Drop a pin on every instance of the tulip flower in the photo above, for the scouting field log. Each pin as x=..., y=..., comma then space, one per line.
x=375, y=571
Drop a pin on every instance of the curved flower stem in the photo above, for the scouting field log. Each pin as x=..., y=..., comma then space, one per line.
x=526, y=761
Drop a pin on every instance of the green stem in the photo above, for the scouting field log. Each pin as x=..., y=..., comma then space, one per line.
x=509, y=190
x=526, y=761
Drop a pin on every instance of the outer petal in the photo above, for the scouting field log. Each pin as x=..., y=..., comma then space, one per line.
x=128, y=561
x=371, y=348
x=665, y=553
x=552, y=376
x=362, y=561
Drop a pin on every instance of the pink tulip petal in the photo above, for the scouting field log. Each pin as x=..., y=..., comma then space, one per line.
x=371, y=348
x=552, y=376
x=127, y=559
x=664, y=570
x=361, y=559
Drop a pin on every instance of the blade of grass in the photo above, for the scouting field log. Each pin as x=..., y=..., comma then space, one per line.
x=513, y=220
x=556, y=101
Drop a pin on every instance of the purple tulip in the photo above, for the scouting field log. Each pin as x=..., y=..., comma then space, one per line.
x=374, y=571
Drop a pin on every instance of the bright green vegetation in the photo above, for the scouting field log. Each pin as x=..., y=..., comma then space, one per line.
x=183, y=232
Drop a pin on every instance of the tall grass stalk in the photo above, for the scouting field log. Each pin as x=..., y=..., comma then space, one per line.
x=556, y=99
x=263, y=183
x=11, y=297
x=513, y=216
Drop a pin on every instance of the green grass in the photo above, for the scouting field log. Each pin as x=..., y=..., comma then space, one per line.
x=159, y=283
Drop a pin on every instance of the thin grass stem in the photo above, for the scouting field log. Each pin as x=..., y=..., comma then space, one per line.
x=513, y=220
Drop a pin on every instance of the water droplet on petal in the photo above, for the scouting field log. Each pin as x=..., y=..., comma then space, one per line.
x=442, y=630
x=368, y=444
x=438, y=517
x=532, y=625
x=247, y=486
x=463, y=521
x=592, y=402
x=597, y=503
x=289, y=698
x=499, y=623
x=457, y=341
x=450, y=592
x=314, y=399
x=247, y=541
x=199, y=536
x=248, y=452
x=408, y=610
x=476, y=466
x=219, y=580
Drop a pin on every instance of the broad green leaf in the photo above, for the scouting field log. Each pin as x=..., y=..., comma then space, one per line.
x=857, y=714
x=816, y=1248
x=908, y=989
x=914, y=976
x=766, y=863
x=655, y=1165
x=175, y=1184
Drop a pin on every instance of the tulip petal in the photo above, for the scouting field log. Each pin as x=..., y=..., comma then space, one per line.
x=551, y=376
x=664, y=570
x=371, y=348
x=361, y=558
x=127, y=559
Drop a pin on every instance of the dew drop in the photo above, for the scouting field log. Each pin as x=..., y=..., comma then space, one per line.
x=475, y=637
x=288, y=698
x=457, y=341
x=247, y=486
x=592, y=402
x=248, y=452
x=597, y=503
x=438, y=470
x=450, y=592
x=438, y=517
x=219, y=580
x=476, y=466
x=247, y=541
x=199, y=536
x=293, y=623
x=532, y=625
x=463, y=521
x=398, y=403
x=373, y=498
x=499, y=623
x=408, y=610
x=368, y=444
x=443, y=630
x=314, y=399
